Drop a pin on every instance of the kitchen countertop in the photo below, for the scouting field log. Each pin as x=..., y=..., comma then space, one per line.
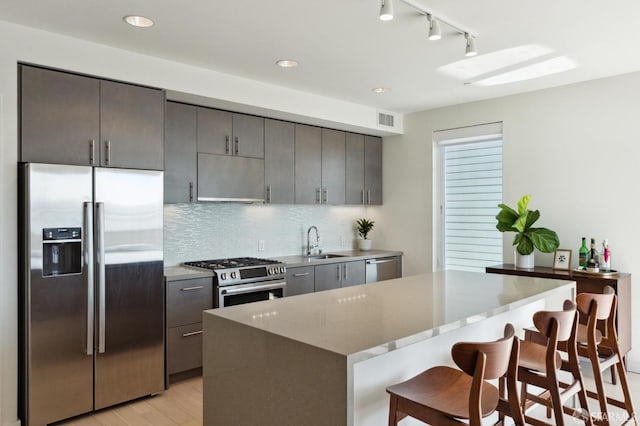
x=345, y=256
x=173, y=273
x=368, y=320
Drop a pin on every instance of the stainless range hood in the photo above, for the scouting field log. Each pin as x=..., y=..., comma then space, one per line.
x=230, y=178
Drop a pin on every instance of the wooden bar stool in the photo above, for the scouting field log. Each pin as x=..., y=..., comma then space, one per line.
x=603, y=351
x=539, y=366
x=443, y=395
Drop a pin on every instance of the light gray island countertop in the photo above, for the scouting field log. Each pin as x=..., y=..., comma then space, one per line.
x=326, y=358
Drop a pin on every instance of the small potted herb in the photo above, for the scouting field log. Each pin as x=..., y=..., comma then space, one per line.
x=364, y=226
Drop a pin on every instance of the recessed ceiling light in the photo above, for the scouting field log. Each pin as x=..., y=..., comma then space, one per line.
x=380, y=89
x=138, y=21
x=287, y=63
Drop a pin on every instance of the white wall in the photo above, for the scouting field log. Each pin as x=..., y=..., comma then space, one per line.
x=575, y=149
x=23, y=44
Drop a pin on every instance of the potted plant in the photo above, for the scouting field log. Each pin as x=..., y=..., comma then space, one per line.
x=364, y=226
x=527, y=237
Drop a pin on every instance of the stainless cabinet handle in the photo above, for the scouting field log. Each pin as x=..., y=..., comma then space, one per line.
x=193, y=333
x=88, y=264
x=317, y=195
x=338, y=270
x=304, y=274
x=376, y=261
x=228, y=145
x=237, y=144
x=100, y=257
x=325, y=195
x=268, y=194
x=362, y=196
x=107, y=152
x=345, y=273
x=368, y=196
x=190, y=191
x=192, y=288
x=92, y=152
x=257, y=288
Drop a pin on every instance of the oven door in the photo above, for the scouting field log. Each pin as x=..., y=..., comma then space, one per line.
x=247, y=293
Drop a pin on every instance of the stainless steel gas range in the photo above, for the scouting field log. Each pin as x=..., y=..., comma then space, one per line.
x=245, y=279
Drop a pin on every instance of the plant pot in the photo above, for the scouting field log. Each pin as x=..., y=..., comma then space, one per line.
x=525, y=261
x=364, y=245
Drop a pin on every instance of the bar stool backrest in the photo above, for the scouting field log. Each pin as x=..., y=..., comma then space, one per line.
x=546, y=321
x=605, y=305
x=494, y=355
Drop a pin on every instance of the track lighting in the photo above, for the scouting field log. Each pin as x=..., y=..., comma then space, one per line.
x=470, y=49
x=386, y=10
x=434, y=28
x=386, y=14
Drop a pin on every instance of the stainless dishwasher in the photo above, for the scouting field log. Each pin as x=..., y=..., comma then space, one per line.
x=383, y=268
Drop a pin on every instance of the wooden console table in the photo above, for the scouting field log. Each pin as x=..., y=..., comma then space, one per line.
x=586, y=284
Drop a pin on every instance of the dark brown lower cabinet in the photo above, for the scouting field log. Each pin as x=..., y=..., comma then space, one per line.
x=185, y=301
x=300, y=280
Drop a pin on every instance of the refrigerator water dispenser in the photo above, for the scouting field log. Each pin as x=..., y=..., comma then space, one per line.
x=61, y=251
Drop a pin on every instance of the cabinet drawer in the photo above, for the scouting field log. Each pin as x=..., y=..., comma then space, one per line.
x=300, y=280
x=186, y=299
x=184, y=348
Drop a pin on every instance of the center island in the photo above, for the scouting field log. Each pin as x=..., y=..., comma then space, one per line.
x=326, y=358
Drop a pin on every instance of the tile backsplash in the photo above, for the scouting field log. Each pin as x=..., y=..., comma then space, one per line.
x=201, y=231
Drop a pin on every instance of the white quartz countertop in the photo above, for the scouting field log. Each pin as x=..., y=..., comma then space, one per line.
x=174, y=273
x=343, y=256
x=367, y=320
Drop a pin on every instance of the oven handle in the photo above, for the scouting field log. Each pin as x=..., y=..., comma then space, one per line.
x=253, y=288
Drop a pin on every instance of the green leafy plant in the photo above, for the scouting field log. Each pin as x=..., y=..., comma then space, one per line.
x=364, y=227
x=521, y=222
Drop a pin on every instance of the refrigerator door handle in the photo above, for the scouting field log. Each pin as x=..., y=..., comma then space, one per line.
x=100, y=258
x=88, y=264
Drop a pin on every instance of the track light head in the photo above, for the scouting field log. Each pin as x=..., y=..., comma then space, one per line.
x=470, y=49
x=386, y=10
x=434, y=28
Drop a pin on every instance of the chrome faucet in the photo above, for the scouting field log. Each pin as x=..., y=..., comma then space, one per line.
x=316, y=245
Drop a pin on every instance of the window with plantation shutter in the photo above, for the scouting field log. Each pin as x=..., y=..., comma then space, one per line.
x=471, y=189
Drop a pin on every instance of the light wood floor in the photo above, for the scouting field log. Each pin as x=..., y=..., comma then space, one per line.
x=182, y=405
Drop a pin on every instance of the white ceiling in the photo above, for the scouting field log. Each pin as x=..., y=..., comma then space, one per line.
x=343, y=48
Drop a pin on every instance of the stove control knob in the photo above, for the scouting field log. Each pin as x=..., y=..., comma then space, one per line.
x=282, y=269
x=234, y=275
x=223, y=276
x=271, y=271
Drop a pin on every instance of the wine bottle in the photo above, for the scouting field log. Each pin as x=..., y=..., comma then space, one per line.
x=592, y=264
x=583, y=254
x=605, y=257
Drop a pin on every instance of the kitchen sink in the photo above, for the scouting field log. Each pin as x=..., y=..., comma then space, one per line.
x=323, y=256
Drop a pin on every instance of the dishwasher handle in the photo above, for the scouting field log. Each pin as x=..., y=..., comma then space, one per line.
x=377, y=261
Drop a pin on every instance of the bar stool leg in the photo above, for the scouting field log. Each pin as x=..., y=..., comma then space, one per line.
x=557, y=410
x=393, y=411
x=599, y=379
x=622, y=374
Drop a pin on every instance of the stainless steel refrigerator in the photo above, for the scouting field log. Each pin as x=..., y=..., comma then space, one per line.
x=91, y=288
